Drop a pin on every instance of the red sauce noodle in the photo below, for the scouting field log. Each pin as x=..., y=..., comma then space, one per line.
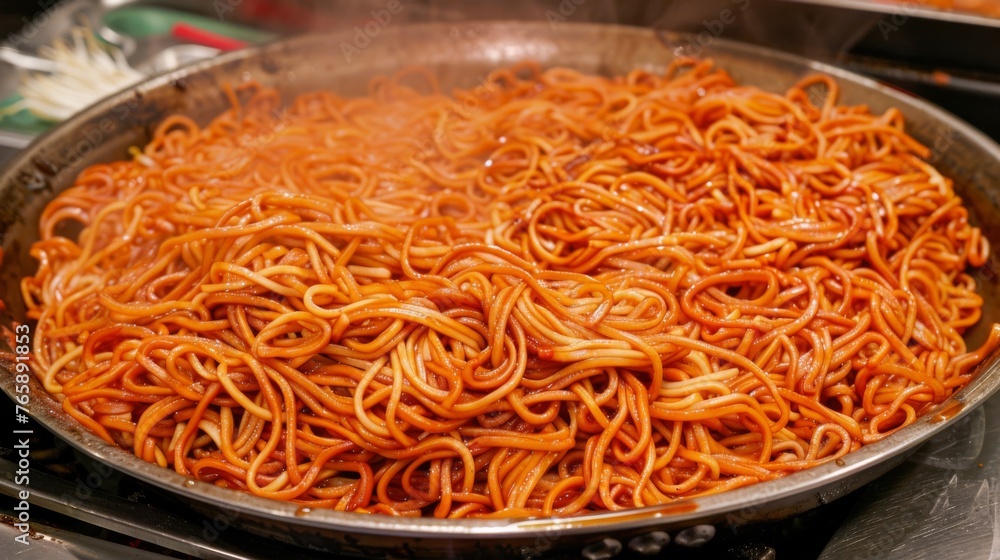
x=553, y=294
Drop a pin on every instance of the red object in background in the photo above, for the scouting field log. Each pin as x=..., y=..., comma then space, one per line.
x=941, y=77
x=192, y=34
x=289, y=15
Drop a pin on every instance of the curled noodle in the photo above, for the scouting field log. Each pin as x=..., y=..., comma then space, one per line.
x=555, y=294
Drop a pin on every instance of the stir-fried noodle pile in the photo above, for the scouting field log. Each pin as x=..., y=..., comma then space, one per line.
x=553, y=294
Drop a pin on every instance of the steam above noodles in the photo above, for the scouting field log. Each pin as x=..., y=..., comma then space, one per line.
x=553, y=294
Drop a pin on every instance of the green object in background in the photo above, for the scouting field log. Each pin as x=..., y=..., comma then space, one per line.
x=148, y=21
x=138, y=22
x=23, y=121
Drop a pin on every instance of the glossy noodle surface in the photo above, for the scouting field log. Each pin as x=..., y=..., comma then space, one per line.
x=552, y=294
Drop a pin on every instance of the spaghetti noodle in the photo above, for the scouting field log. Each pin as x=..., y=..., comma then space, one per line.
x=554, y=294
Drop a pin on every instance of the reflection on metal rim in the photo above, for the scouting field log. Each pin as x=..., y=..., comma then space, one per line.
x=907, y=10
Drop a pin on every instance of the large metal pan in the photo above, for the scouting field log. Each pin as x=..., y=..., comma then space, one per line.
x=461, y=55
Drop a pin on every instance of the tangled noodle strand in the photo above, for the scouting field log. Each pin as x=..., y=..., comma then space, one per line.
x=555, y=294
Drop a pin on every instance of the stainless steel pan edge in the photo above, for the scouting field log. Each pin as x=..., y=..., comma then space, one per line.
x=462, y=54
